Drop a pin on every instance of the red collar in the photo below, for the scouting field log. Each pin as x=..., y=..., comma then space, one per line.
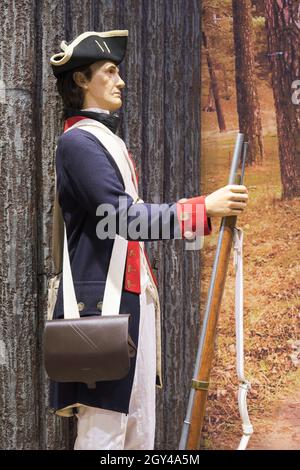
x=71, y=121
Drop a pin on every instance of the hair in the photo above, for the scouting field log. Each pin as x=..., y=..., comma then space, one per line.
x=72, y=94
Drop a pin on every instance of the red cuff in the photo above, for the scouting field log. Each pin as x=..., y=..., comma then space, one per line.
x=192, y=217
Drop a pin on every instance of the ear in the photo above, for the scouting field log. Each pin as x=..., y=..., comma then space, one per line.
x=80, y=79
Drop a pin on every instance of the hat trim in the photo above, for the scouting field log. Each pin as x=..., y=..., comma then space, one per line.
x=68, y=49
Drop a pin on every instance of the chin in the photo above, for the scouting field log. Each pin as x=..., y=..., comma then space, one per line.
x=115, y=106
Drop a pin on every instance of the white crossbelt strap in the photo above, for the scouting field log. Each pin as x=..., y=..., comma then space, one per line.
x=114, y=280
x=113, y=286
x=69, y=297
x=117, y=149
x=244, y=385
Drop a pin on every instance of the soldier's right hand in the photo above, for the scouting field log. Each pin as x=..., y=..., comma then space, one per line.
x=228, y=200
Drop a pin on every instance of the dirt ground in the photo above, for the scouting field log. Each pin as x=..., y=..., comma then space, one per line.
x=280, y=429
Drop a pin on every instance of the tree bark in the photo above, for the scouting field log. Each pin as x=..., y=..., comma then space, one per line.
x=19, y=319
x=283, y=31
x=161, y=127
x=247, y=97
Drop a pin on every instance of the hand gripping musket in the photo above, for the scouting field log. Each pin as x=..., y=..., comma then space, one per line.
x=192, y=426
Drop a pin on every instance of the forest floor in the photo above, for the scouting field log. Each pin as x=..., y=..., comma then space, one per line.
x=279, y=427
x=271, y=303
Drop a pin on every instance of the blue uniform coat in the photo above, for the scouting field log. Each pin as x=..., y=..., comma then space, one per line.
x=88, y=176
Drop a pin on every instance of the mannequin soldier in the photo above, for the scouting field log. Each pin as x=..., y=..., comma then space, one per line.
x=116, y=414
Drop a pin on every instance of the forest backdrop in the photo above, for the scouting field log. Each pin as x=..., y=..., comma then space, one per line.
x=250, y=68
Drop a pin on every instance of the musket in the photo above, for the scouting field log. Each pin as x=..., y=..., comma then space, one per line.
x=193, y=423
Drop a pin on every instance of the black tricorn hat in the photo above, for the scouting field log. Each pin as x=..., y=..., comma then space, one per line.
x=88, y=48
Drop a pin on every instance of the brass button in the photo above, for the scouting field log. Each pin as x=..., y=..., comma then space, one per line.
x=184, y=216
x=128, y=283
x=189, y=235
x=99, y=305
x=80, y=306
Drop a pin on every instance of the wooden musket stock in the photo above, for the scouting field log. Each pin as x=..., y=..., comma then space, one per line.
x=192, y=427
x=209, y=339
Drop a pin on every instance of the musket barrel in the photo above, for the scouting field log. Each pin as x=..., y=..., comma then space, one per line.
x=245, y=152
x=236, y=158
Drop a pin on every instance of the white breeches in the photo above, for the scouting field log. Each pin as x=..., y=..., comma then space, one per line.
x=100, y=429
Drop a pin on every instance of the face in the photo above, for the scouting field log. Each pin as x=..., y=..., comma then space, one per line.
x=104, y=88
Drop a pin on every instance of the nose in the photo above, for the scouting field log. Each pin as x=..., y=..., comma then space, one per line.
x=120, y=83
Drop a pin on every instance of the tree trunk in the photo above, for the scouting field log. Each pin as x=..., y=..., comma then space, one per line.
x=19, y=319
x=214, y=84
x=210, y=105
x=226, y=87
x=161, y=127
x=247, y=98
x=283, y=31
